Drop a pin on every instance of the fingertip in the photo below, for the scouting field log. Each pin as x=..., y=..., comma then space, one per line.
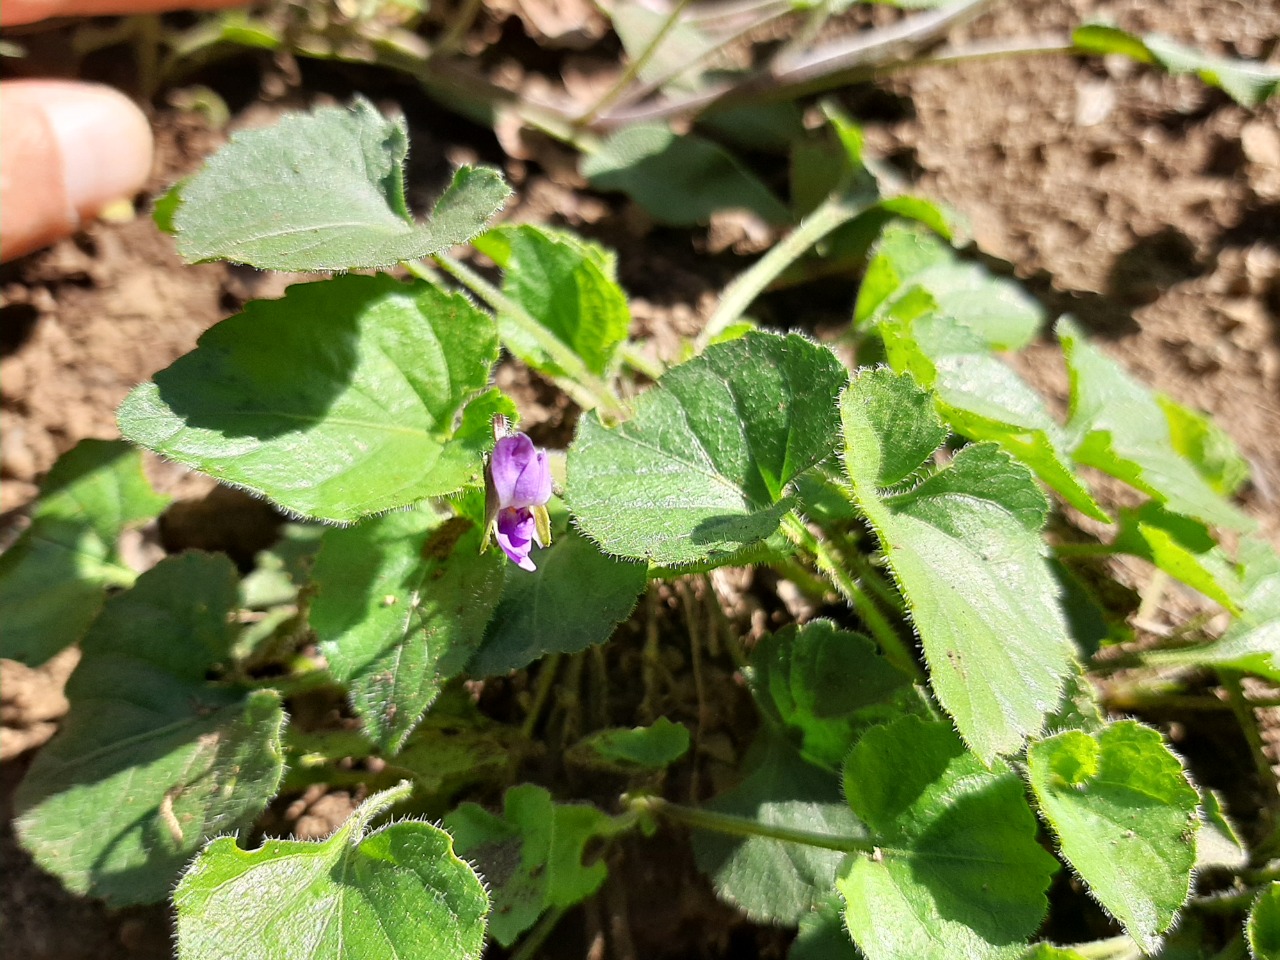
x=70, y=149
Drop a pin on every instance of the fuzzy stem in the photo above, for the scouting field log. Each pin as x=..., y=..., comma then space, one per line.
x=632, y=70
x=594, y=391
x=830, y=214
x=890, y=642
x=736, y=826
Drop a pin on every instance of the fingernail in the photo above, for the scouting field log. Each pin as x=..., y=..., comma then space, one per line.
x=104, y=140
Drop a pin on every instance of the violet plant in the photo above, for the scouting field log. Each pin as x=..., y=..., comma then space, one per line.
x=915, y=762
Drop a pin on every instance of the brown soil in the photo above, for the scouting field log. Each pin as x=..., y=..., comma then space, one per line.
x=1146, y=206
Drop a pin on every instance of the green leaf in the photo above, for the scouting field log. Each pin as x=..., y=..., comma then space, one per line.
x=1218, y=843
x=401, y=605
x=533, y=855
x=959, y=873
x=152, y=758
x=910, y=260
x=824, y=686
x=337, y=401
x=324, y=191
x=1126, y=819
x=1252, y=642
x=1121, y=429
x=983, y=399
x=651, y=747
x=399, y=891
x=777, y=881
x=683, y=44
x=1247, y=82
x=679, y=180
x=703, y=467
x=574, y=600
x=55, y=577
x=1206, y=446
x=565, y=283
x=1181, y=547
x=1263, y=926
x=965, y=549
x=822, y=935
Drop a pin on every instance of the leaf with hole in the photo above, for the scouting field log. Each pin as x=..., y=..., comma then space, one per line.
x=965, y=549
x=54, y=578
x=393, y=892
x=345, y=398
x=401, y=602
x=1126, y=820
x=152, y=758
x=323, y=191
x=703, y=468
x=958, y=874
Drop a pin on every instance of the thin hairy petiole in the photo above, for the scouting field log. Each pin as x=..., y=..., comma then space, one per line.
x=736, y=826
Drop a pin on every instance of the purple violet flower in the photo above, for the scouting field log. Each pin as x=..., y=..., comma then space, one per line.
x=517, y=488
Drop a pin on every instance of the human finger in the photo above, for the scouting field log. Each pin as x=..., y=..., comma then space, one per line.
x=14, y=12
x=69, y=149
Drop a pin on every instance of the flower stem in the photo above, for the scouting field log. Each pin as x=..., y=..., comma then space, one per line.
x=834, y=211
x=592, y=392
x=736, y=826
x=890, y=642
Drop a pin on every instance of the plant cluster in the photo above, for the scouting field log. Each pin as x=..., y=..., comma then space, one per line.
x=909, y=777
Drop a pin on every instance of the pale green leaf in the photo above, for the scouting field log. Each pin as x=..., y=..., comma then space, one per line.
x=567, y=285
x=152, y=758
x=1263, y=926
x=337, y=401
x=679, y=180
x=1183, y=548
x=652, y=747
x=1126, y=820
x=399, y=891
x=958, y=874
x=983, y=399
x=967, y=555
x=533, y=856
x=1247, y=82
x=908, y=259
x=1120, y=428
x=401, y=602
x=54, y=578
x=776, y=880
x=324, y=191
x=702, y=469
x=1207, y=446
x=1218, y=844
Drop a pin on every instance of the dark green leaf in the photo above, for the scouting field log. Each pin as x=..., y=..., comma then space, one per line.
x=965, y=549
x=572, y=601
x=1263, y=926
x=533, y=855
x=775, y=880
x=826, y=685
x=679, y=180
x=1126, y=819
x=338, y=401
x=396, y=892
x=152, y=758
x=324, y=191
x=702, y=469
x=401, y=605
x=54, y=578
x=959, y=873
